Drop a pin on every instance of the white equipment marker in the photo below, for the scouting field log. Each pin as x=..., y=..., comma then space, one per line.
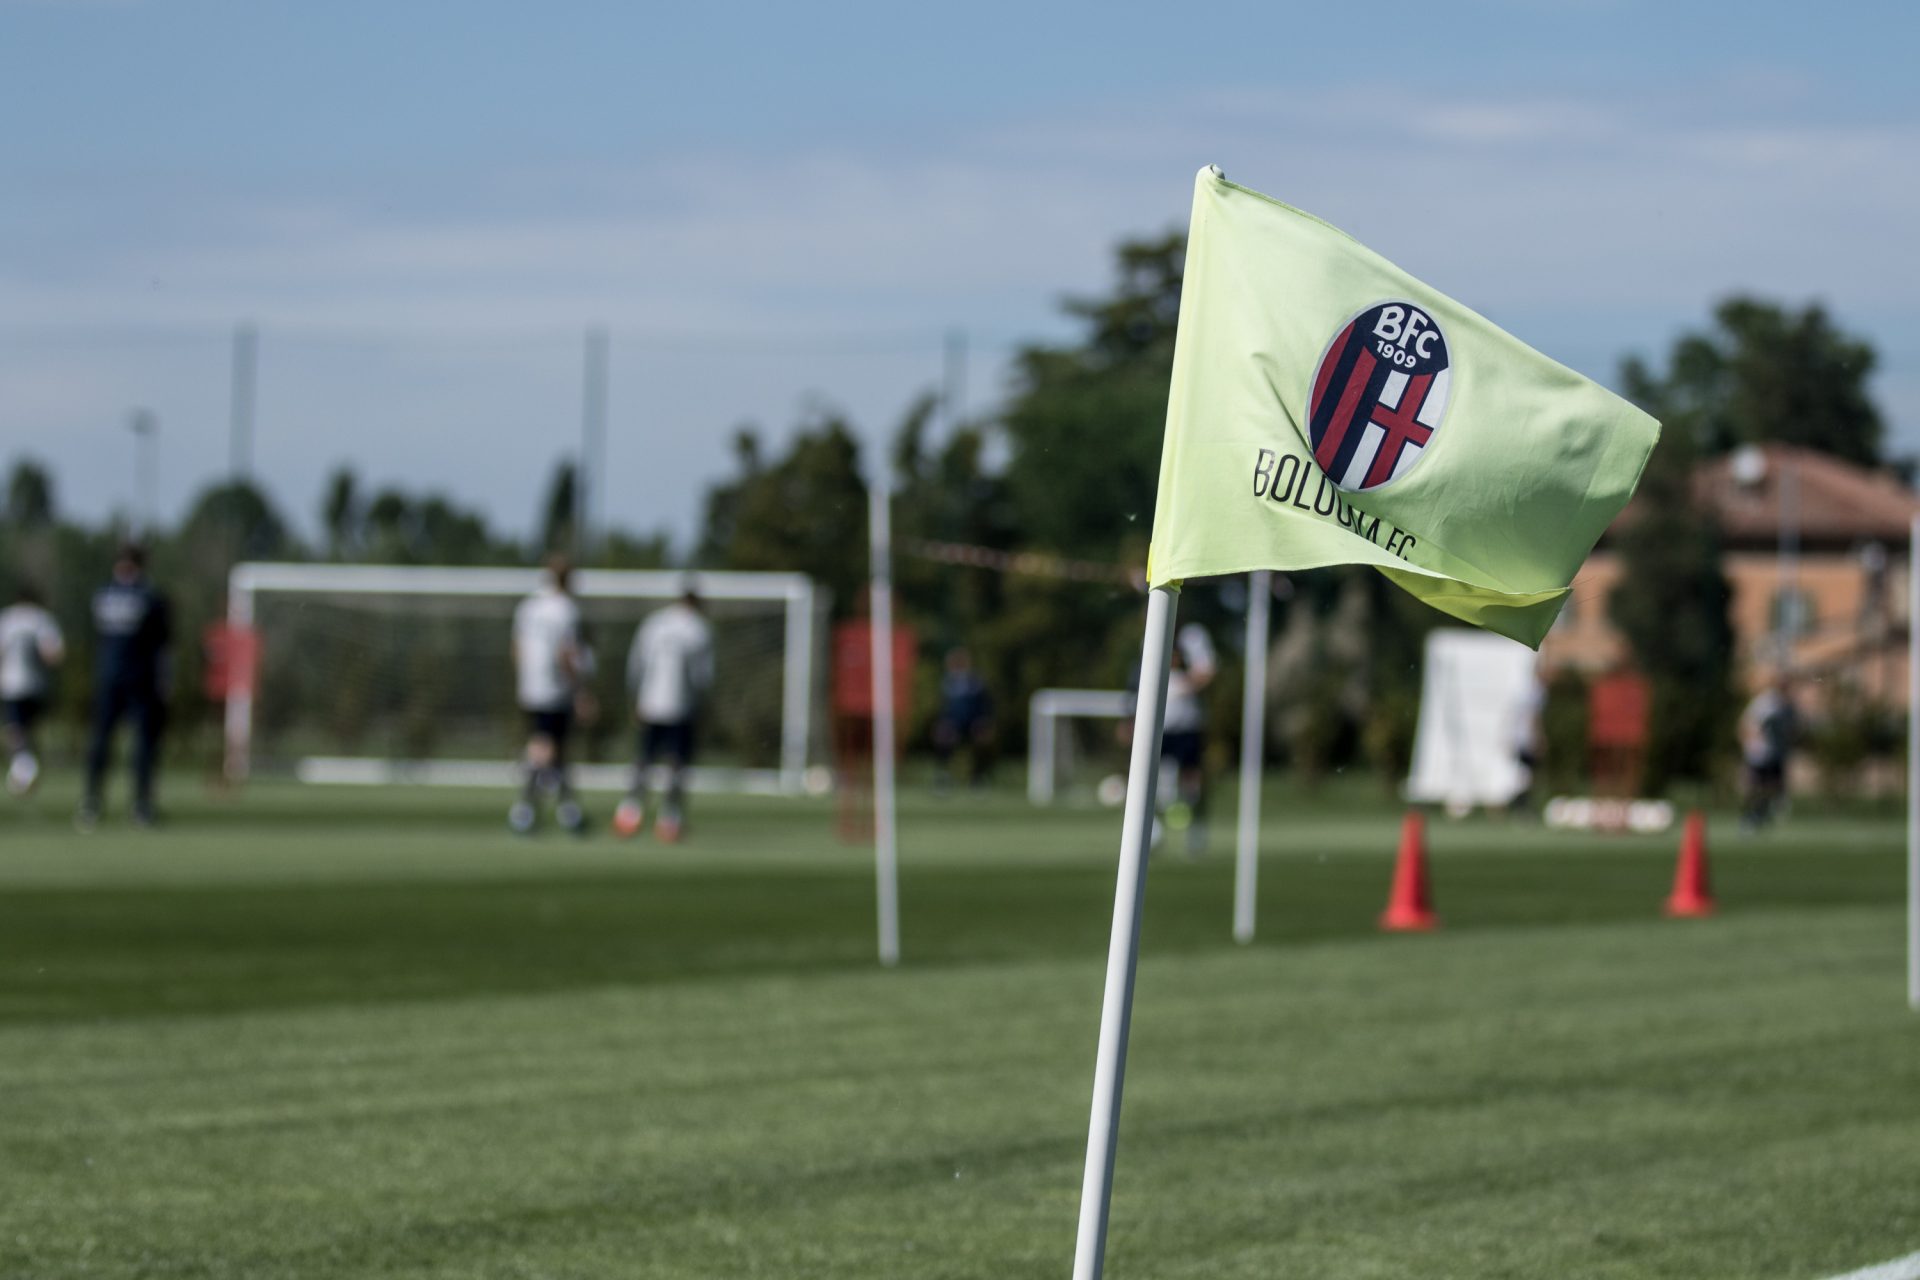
x=1913, y=764
x=1907, y=1268
x=886, y=872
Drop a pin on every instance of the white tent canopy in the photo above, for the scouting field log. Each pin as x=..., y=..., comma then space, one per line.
x=1477, y=701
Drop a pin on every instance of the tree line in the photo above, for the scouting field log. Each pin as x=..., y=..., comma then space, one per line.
x=1067, y=465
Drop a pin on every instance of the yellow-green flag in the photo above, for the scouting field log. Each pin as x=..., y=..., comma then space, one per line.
x=1328, y=408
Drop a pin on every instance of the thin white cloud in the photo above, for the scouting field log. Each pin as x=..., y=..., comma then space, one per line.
x=773, y=276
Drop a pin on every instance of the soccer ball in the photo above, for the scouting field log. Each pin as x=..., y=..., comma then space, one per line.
x=628, y=818
x=23, y=773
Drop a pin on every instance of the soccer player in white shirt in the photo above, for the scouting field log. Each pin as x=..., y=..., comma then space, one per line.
x=550, y=660
x=30, y=648
x=1183, y=739
x=1183, y=734
x=669, y=669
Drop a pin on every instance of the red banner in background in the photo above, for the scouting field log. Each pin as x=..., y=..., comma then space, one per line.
x=232, y=657
x=853, y=670
x=1619, y=707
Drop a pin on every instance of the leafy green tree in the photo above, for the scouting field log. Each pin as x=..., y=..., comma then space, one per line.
x=1013, y=627
x=948, y=493
x=29, y=496
x=30, y=541
x=448, y=533
x=1764, y=373
x=1761, y=373
x=621, y=549
x=559, y=514
x=1083, y=433
x=1672, y=607
x=1319, y=690
x=399, y=528
x=1085, y=421
x=805, y=512
x=232, y=521
x=341, y=514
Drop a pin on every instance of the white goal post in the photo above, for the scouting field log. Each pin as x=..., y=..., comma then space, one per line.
x=391, y=590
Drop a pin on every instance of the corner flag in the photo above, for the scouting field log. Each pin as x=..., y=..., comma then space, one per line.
x=1328, y=408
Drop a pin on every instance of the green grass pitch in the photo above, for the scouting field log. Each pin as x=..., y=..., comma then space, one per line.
x=369, y=1034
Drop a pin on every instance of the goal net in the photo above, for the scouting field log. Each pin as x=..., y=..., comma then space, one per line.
x=404, y=674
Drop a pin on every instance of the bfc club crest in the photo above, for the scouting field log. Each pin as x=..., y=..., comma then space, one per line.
x=1379, y=395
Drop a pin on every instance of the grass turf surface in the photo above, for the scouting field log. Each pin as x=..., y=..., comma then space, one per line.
x=369, y=1034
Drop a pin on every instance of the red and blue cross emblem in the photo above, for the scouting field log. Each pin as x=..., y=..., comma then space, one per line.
x=1379, y=394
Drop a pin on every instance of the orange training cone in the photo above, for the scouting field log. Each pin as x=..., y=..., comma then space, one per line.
x=1410, y=906
x=1692, y=894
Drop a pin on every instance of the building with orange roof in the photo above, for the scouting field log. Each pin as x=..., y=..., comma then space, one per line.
x=1816, y=550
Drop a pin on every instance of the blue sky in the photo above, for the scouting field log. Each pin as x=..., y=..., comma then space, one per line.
x=778, y=207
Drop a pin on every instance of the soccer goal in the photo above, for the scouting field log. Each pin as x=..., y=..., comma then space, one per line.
x=1066, y=729
x=403, y=674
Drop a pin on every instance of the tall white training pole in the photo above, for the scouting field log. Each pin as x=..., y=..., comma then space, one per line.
x=886, y=873
x=1913, y=764
x=1116, y=1007
x=796, y=687
x=239, y=712
x=1253, y=743
x=587, y=476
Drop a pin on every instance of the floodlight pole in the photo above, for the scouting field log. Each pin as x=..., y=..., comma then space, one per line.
x=593, y=441
x=246, y=357
x=238, y=756
x=146, y=469
x=886, y=873
x=953, y=379
x=1913, y=764
x=1123, y=950
x=1253, y=742
x=1789, y=560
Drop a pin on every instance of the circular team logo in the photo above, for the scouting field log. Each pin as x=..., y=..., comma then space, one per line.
x=1379, y=395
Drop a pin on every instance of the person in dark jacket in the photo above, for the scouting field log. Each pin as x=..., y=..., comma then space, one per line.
x=133, y=638
x=1769, y=731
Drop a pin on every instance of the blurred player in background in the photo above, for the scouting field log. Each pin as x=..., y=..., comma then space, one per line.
x=1769, y=728
x=669, y=670
x=1183, y=737
x=133, y=659
x=965, y=721
x=551, y=662
x=30, y=648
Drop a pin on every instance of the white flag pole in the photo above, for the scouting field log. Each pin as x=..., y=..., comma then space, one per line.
x=1116, y=1008
x=886, y=874
x=1253, y=742
x=1913, y=764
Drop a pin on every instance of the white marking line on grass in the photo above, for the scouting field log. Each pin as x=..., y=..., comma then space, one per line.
x=1907, y=1268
